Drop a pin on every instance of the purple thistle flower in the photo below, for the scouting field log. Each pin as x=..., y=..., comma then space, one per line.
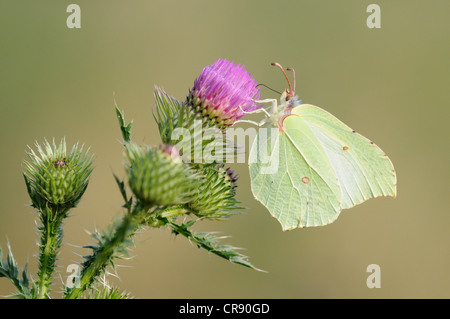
x=221, y=90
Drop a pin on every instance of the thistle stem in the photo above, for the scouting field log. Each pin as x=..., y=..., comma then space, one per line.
x=104, y=254
x=51, y=238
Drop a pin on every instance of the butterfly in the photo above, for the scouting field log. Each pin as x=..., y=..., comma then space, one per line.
x=306, y=166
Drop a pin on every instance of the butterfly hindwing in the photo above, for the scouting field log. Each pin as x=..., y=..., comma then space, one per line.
x=296, y=192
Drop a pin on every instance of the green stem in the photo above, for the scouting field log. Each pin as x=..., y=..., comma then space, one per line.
x=51, y=238
x=107, y=251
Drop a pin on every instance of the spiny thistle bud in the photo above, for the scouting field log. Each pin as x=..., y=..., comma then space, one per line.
x=56, y=178
x=223, y=92
x=215, y=197
x=157, y=176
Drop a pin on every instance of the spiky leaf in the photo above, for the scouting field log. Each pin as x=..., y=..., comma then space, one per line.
x=124, y=128
x=210, y=243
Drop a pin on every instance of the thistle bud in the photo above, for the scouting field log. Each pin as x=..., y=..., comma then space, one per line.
x=55, y=177
x=157, y=176
x=216, y=195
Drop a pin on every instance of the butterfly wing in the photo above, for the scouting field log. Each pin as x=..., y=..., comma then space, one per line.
x=315, y=166
x=298, y=190
x=364, y=171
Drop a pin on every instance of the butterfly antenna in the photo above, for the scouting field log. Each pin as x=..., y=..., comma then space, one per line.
x=268, y=88
x=293, y=76
x=289, y=92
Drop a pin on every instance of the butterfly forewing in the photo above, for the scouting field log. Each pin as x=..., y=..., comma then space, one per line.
x=364, y=171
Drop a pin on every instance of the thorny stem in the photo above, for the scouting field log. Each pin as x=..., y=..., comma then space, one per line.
x=103, y=256
x=51, y=238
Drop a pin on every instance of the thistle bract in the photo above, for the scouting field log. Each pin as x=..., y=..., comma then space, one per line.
x=157, y=176
x=216, y=195
x=56, y=177
x=223, y=93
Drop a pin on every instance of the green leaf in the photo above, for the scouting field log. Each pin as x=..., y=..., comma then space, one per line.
x=210, y=243
x=121, y=184
x=125, y=129
x=10, y=270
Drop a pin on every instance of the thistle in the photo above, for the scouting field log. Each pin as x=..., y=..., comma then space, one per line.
x=223, y=93
x=164, y=186
x=55, y=181
x=216, y=195
x=157, y=176
x=55, y=178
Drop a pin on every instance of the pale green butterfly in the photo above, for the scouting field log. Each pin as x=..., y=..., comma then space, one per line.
x=306, y=166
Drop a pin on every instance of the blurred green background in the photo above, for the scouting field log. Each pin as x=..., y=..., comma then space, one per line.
x=389, y=84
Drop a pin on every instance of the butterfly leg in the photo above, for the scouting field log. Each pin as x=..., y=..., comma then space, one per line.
x=256, y=111
x=273, y=104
